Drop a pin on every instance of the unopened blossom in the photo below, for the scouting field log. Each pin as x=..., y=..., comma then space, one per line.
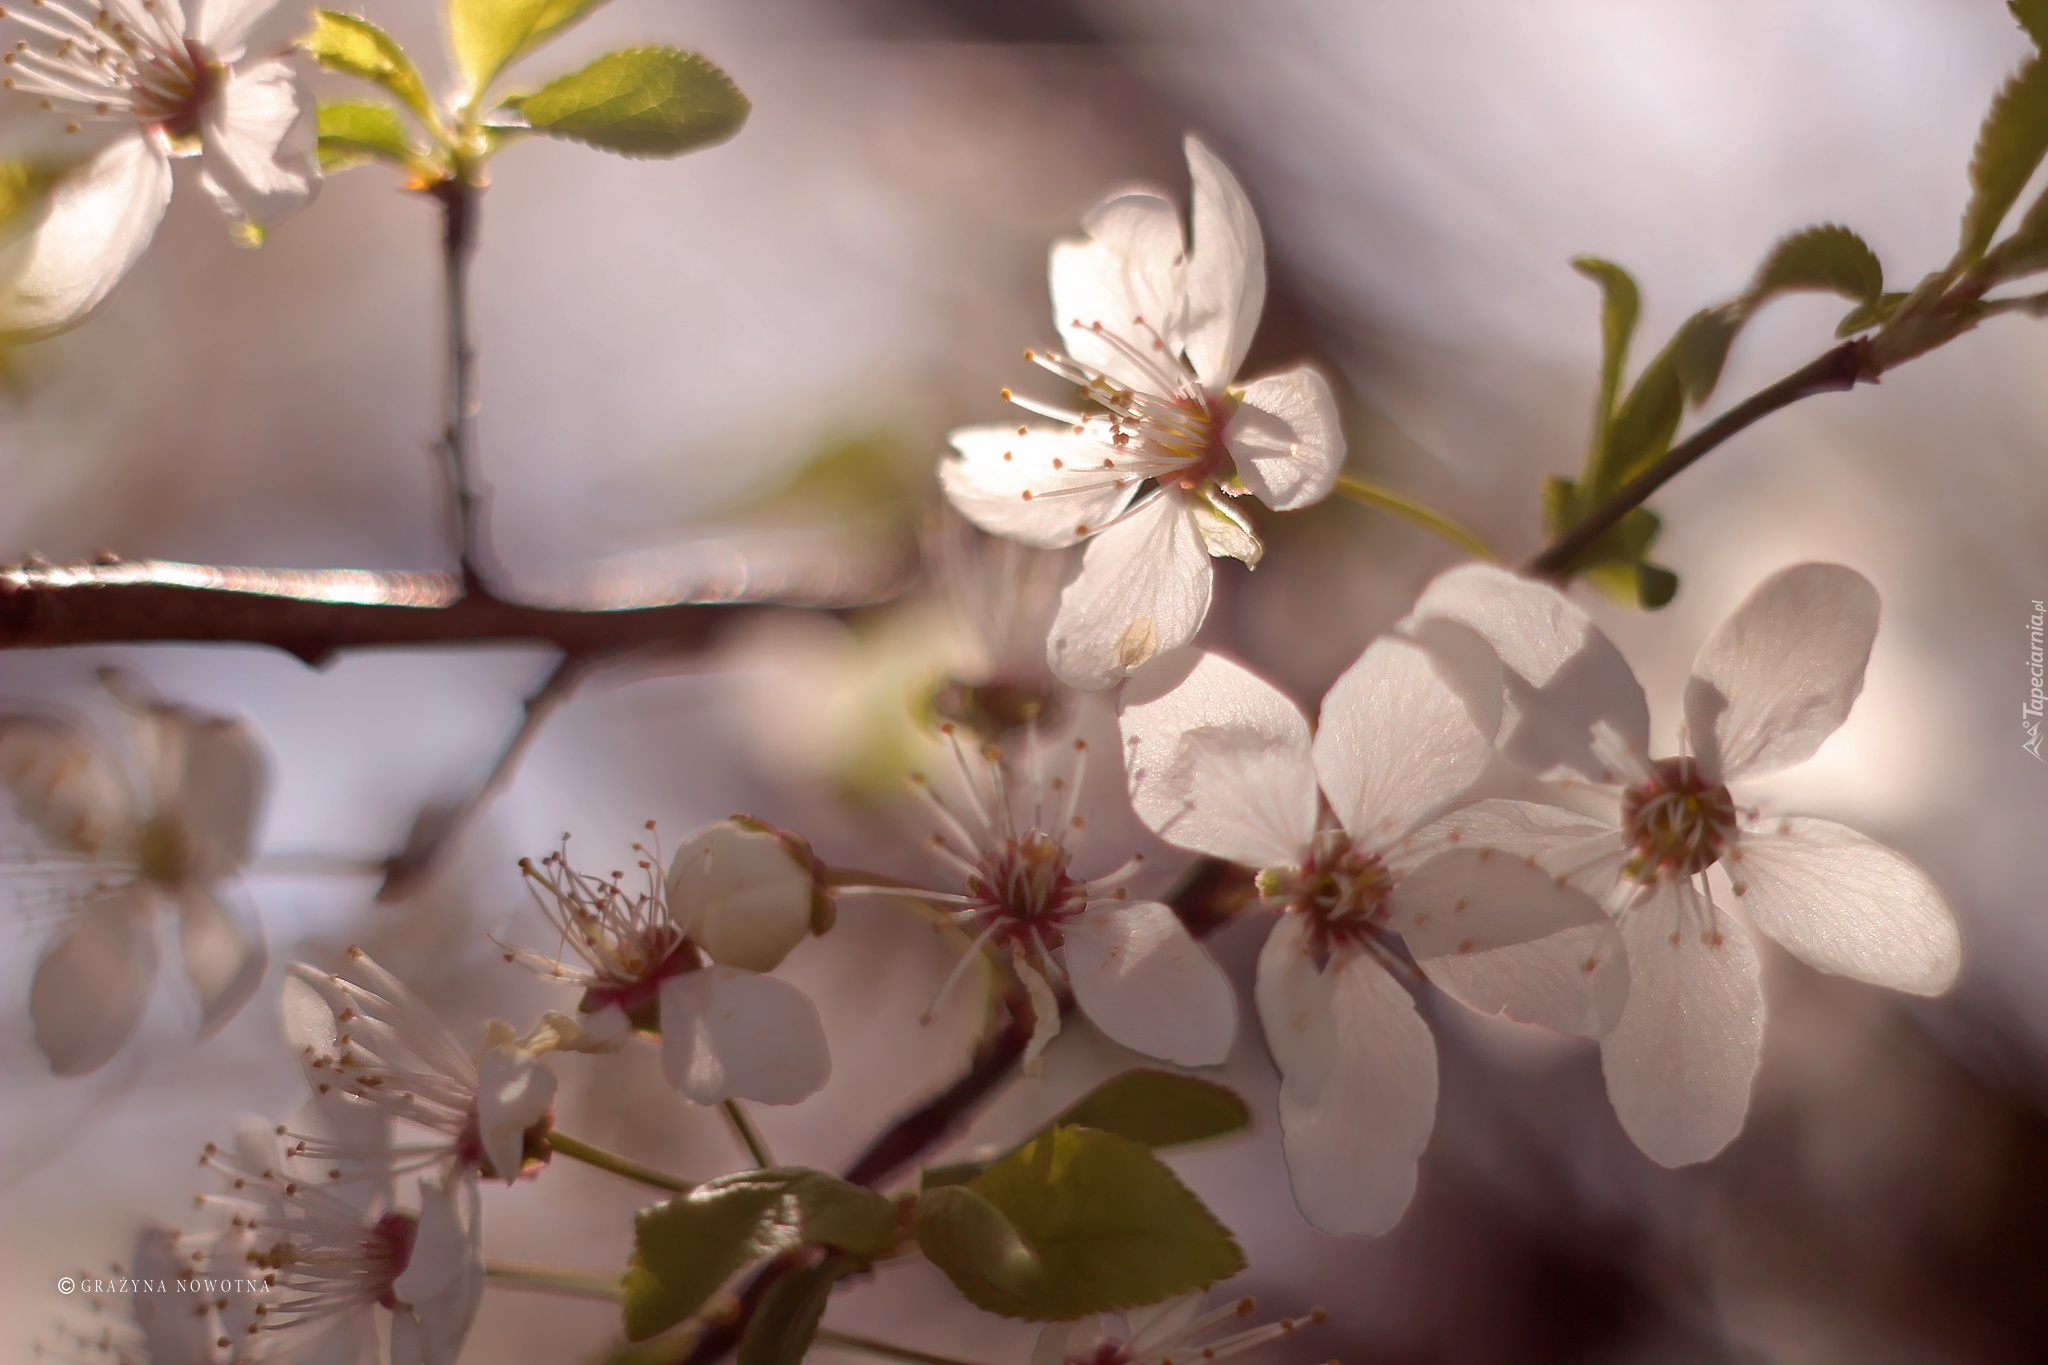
x=1155, y=327
x=363, y=1038
x=1134, y=969
x=1220, y=762
x=1768, y=687
x=159, y=816
x=328, y=1263
x=133, y=85
x=689, y=957
x=1176, y=1332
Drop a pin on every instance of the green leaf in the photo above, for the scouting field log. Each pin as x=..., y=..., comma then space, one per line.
x=2033, y=17
x=1620, y=304
x=950, y=1173
x=1641, y=584
x=352, y=133
x=1643, y=425
x=1700, y=348
x=647, y=101
x=1107, y=1224
x=1870, y=314
x=1159, y=1108
x=786, y=1320
x=2009, y=146
x=974, y=1242
x=686, y=1248
x=487, y=35
x=356, y=47
x=1828, y=257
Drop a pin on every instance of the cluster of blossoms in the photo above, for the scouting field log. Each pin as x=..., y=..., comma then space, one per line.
x=107, y=93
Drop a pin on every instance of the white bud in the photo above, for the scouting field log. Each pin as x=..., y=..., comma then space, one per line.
x=743, y=893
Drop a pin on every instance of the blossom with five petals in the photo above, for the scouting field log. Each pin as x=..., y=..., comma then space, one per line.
x=1219, y=762
x=1768, y=687
x=166, y=819
x=1155, y=327
x=690, y=958
x=144, y=85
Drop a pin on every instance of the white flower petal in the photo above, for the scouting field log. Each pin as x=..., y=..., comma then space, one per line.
x=1503, y=937
x=221, y=785
x=1121, y=290
x=97, y=224
x=1226, y=270
x=259, y=143
x=443, y=1283
x=1358, y=1082
x=175, y=1334
x=1051, y=1346
x=1226, y=532
x=1045, y=487
x=513, y=1093
x=1287, y=440
x=728, y=1034
x=1142, y=979
x=1396, y=741
x=744, y=895
x=223, y=952
x=1142, y=588
x=226, y=27
x=62, y=783
x=1681, y=1061
x=1847, y=905
x=1218, y=760
x=93, y=983
x=1565, y=680
x=1780, y=675
x=1045, y=1013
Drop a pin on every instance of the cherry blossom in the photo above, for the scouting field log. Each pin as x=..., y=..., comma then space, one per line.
x=1219, y=762
x=364, y=1038
x=1768, y=687
x=1155, y=327
x=1134, y=969
x=689, y=958
x=149, y=1326
x=165, y=819
x=328, y=1263
x=1176, y=1332
x=134, y=85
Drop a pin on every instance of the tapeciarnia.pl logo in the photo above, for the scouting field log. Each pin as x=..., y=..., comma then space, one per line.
x=2030, y=712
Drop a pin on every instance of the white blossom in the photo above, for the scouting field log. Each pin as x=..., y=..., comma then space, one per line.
x=364, y=1038
x=135, y=84
x=1134, y=969
x=1767, y=688
x=1219, y=762
x=1155, y=327
x=689, y=958
x=328, y=1262
x=158, y=1324
x=1176, y=1332
x=162, y=820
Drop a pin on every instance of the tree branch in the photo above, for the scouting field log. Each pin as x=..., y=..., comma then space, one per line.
x=1834, y=371
x=460, y=200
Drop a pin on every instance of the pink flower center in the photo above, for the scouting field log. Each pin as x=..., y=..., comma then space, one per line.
x=1342, y=890
x=645, y=962
x=1188, y=431
x=387, y=1251
x=1022, y=885
x=1677, y=821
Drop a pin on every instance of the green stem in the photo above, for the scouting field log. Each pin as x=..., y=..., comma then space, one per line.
x=578, y=1150
x=1415, y=513
x=868, y=1345
x=749, y=1136
x=553, y=1279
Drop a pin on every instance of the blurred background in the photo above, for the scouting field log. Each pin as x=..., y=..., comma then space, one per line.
x=665, y=345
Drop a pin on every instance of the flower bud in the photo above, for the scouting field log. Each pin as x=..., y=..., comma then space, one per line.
x=744, y=891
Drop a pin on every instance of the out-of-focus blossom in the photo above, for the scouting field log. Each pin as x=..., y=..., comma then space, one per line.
x=1134, y=969
x=327, y=1263
x=689, y=958
x=1004, y=594
x=1220, y=762
x=1772, y=683
x=364, y=1038
x=163, y=819
x=136, y=85
x=1155, y=328
x=1176, y=1332
x=165, y=1319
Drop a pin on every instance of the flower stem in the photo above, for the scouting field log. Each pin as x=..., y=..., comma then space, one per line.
x=553, y=1279
x=750, y=1137
x=868, y=1345
x=1416, y=513
x=578, y=1150
x=460, y=200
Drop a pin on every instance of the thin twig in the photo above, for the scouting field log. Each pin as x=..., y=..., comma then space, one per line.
x=1834, y=371
x=569, y=1281
x=460, y=200
x=750, y=1137
x=438, y=823
x=1370, y=494
x=578, y=1150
